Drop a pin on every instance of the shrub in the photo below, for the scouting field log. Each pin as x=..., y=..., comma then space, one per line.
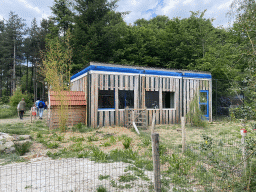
x=7, y=111
x=195, y=115
x=18, y=95
x=23, y=148
x=245, y=112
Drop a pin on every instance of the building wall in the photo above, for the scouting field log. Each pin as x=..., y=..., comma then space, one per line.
x=77, y=114
x=91, y=83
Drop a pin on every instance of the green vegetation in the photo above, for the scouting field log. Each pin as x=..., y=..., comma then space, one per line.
x=7, y=111
x=101, y=177
x=101, y=189
x=23, y=148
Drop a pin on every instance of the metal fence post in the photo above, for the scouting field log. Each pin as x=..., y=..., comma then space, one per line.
x=156, y=162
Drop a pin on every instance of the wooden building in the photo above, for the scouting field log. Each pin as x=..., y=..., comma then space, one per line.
x=76, y=103
x=109, y=89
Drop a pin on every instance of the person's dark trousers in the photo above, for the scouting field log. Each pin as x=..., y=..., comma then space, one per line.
x=21, y=114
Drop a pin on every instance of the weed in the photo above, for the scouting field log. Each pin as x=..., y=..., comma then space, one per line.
x=106, y=144
x=101, y=177
x=127, y=142
x=77, y=147
x=112, y=139
x=127, y=178
x=92, y=138
x=39, y=135
x=77, y=139
x=101, y=189
x=52, y=145
x=83, y=154
x=23, y=148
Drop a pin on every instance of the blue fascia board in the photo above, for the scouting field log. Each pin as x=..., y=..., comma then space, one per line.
x=141, y=71
x=164, y=73
x=197, y=75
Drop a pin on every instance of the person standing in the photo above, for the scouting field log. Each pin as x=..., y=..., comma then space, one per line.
x=22, y=107
x=37, y=108
x=41, y=106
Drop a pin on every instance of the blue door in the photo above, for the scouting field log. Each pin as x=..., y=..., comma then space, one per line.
x=204, y=103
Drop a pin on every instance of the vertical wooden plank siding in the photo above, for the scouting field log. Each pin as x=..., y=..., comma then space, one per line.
x=147, y=83
x=156, y=83
x=177, y=101
x=191, y=90
x=168, y=84
x=121, y=113
x=96, y=99
x=152, y=83
x=111, y=82
x=157, y=116
x=181, y=99
x=184, y=96
x=163, y=117
x=106, y=82
x=112, y=118
x=101, y=82
x=188, y=101
x=116, y=101
x=166, y=116
x=164, y=80
x=100, y=118
x=150, y=116
x=121, y=82
x=107, y=121
x=92, y=100
x=136, y=92
x=170, y=117
x=126, y=85
x=131, y=82
x=210, y=100
x=161, y=100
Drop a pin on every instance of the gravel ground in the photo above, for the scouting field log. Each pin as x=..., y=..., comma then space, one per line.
x=26, y=118
x=44, y=174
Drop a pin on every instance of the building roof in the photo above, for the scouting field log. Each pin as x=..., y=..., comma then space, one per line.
x=141, y=70
x=70, y=98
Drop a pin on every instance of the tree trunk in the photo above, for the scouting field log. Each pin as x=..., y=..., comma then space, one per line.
x=14, y=56
x=27, y=76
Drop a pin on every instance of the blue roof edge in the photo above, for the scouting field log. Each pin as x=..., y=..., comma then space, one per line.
x=141, y=71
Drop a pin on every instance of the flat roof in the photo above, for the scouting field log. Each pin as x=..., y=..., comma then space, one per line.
x=94, y=66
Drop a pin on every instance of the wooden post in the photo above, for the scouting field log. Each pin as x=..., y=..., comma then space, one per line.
x=156, y=162
x=153, y=122
x=183, y=134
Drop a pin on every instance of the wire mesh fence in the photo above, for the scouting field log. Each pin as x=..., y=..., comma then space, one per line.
x=207, y=165
x=76, y=174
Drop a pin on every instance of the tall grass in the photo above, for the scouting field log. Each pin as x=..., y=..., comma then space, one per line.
x=7, y=111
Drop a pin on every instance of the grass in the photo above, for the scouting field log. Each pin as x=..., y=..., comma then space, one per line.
x=7, y=111
x=23, y=148
x=210, y=153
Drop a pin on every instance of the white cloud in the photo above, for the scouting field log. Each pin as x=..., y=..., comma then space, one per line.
x=225, y=5
x=1, y=17
x=187, y=2
x=168, y=6
x=30, y=6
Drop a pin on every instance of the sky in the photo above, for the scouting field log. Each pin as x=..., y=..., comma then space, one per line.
x=147, y=9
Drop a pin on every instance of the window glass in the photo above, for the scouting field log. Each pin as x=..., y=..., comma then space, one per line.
x=152, y=99
x=168, y=99
x=126, y=99
x=203, y=97
x=203, y=109
x=106, y=99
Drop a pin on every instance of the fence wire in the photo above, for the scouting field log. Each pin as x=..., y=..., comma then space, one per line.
x=76, y=174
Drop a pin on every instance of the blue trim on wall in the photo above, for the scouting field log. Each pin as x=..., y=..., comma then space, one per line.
x=141, y=71
x=207, y=103
x=197, y=75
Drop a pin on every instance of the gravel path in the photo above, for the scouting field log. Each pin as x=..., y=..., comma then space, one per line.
x=68, y=175
x=25, y=119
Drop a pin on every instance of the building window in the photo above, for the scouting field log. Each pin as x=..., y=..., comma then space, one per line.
x=152, y=99
x=106, y=99
x=126, y=99
x=168, y=100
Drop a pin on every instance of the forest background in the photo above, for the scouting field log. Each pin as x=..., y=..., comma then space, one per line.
x=99, y=33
